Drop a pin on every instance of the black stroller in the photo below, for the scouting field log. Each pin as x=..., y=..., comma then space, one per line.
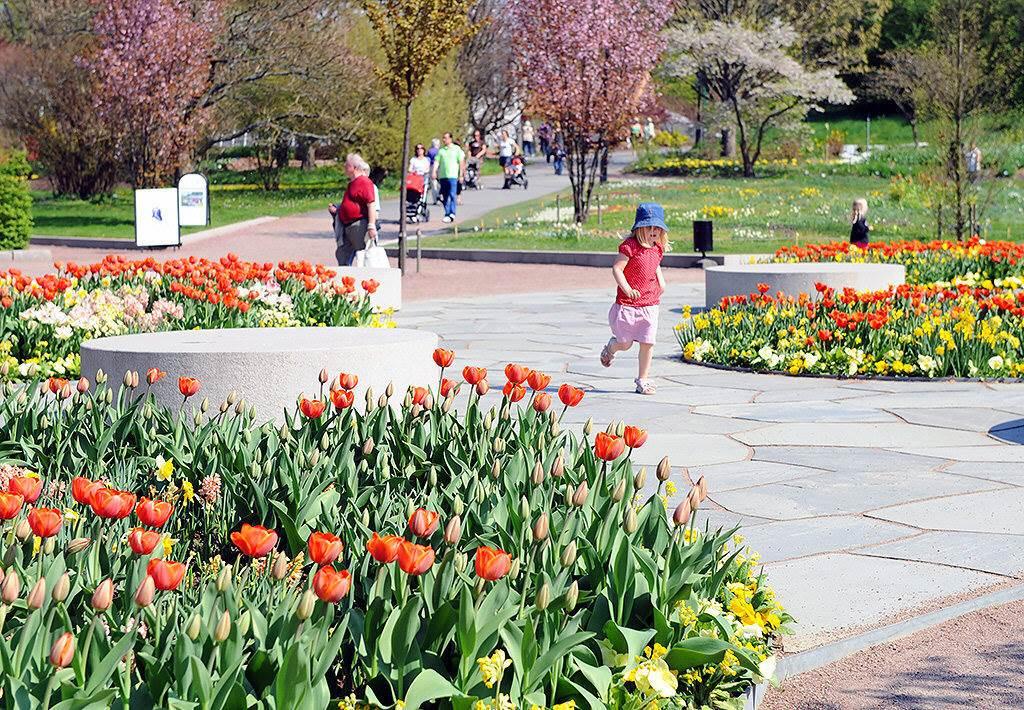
x=515, y=173
x=416, y=209
x=472, y=176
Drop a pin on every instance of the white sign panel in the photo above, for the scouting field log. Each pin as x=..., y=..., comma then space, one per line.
x=193, y=200
x=156, y=218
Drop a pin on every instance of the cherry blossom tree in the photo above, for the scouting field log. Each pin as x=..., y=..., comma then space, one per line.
x=587, y=64
x=754, y=75
x=151, y=68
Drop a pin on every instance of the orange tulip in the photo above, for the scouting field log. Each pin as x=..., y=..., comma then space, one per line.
x=541, y=402
x=188, y=386
x=342, y=399
x=56, y=384
x=311, y=408
x=634, y=437
x=254, y=540
x=143, y=541
x=444, y=358
x=492, y=564
x=608, y=447
x=447, y=386
x=45, y=522
x=472, y=375
x=570, y=396
x=516, y=374
x=153, y=513
x=324, y=548
x=513, y=392
x=538, y=380
x=27, y=487
x=82, y=489
x=423, y=522
x=154, y=375
x=63, y=650
x=166, y=575
x=10, y=505
x=348, y=382
x=331, y=585
x=415, y=559
x=111, y=503
x=419, y=395
x=384, y=549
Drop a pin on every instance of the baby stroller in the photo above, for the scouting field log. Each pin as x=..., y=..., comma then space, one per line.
x=515, y=173
x=416, y=209
x=472, y=176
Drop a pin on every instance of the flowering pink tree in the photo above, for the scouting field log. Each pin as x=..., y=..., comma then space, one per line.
x=588, y=63
x=151, y=68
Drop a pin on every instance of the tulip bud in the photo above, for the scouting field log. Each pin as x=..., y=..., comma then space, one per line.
x=620, y=491
x=504, y=414
x=610, y=429
x=108, y=396
x=702, y=488
x=305, y=608
x=103, y=596
x=145, y=593
x=324, y=376
x=101, y=377
x=629, y=522
x=5, y=369
x=240, y=408
x=280, y=568
x=664, y=470
x=482, y=387
x=543, y=597
x=49, y=545
x=63, y=650
x=538, y=474
x=568, y=556
x=325, y=441
x=224, y=407
x=382, y=402
x=366, y=518
x=540, y=528
x=513, y=570
x=453, y=531
x=224, y=579
x=579, y=498
x=558, y=467
x=135, y=379
x=232, y=397
x=244, y=621
x=389, y=391
x=498, y=445
x=639, y=479
x=223, y=628
x=572, y=596
x=62, y=588
x=198, y=419
x=588, y=426
x=11, y=588
x=488, y=420
x=416, y=409
x=37, y=596
x=694, y=499
x=447, y=405
x=620, y=428
x=428, y=402
x=495, y=469
x=195, y=625
x=458, y=506
x=83, y=385
x=204, y=406
x=314, y=458
x=369, y=396
x=283, y=432
x=524, y=508
x=681, y=516
x=23, y=531
x=368, y=447
x=127, y=379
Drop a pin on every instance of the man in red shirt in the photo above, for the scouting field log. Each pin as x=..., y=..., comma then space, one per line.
x=355, y=219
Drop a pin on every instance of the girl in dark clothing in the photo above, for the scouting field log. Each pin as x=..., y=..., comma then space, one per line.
x=859, y=220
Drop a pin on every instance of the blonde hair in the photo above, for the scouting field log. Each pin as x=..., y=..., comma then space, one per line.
x=860, y=209
x=649, y=236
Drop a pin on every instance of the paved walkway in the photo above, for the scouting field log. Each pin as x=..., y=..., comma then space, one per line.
x=869, y=501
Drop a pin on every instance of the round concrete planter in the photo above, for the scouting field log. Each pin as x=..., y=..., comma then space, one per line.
x=269, y=367
x=794, y=279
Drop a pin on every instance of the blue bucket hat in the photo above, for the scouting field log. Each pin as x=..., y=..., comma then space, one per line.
x=650, y=214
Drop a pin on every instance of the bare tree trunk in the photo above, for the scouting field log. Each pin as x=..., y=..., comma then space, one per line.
x=401, y=188
x=913, y=131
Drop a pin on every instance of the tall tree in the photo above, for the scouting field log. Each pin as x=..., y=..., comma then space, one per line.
x=486, y=65
x=585, y=75
x=415, y=35
x=901, y=81
x=753, y=74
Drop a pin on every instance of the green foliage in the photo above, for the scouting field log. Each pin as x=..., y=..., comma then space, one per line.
x=15, y=201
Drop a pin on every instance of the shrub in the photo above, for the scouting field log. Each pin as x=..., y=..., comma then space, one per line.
x=15, y=201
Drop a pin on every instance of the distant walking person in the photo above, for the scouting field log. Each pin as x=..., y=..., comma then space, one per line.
x=860, y=230
x=527, y=138
x=544, y=136
x=355, y=219
x=435, y=146
x=449, y=168
x=973, y=159
x=507, y=149
x=649, y=130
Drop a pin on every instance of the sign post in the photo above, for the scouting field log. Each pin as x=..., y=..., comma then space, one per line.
x=156, y=218
x=193, y=200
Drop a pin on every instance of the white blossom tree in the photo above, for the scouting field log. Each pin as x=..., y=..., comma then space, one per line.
x=754, y=75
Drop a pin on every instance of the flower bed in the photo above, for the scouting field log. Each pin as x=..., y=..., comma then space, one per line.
x=926, y=262
x=390, y=557
x=923, y=331
x=43, y=321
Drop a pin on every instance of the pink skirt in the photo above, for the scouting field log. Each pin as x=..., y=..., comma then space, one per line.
x=639, y=323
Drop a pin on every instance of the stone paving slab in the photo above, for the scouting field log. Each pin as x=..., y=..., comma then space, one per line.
x=789, y=539
x=1011, y=473
x=890, y=436
x=996, y=452
x=807, y=411
x=851, y=459
x=985, y=552
x=690, y=449
x=991, y=511
x=967, y=418
x=748, y=474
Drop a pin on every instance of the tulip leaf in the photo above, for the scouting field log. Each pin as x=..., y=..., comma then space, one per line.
x=101, y=672
x=426, y=686
x=626, y=640
x=96, y=701
x=555, y=652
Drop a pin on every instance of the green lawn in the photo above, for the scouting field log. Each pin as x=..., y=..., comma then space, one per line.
x=750, y=216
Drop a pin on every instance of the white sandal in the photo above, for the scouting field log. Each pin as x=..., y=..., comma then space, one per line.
x=645, y=386
x=607, y=356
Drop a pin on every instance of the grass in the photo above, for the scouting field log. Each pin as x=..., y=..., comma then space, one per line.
x=750, y=216
x=885, y=130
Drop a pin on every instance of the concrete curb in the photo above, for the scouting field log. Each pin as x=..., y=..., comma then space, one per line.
x=563, y=258
x=129, y=244
x=23, y=256
x=816, y=658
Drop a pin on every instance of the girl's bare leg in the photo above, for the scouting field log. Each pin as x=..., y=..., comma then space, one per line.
x=646, y=354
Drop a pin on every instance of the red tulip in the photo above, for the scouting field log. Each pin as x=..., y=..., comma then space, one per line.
x=423, y=522
x=56, y=384
x=570, y=396
x=143, y=541
x=324, y=548
x=608, y=447
x=254, y=540
x=513, y=392
x=492, y=564
x=538, y=380
x=447, y=386
x=348, y=382
x=311, y=408
x=188, y=386
x=10, y=505
x=415, y=559
x=63, y=650
x=45, y=522
x=153, y=513
x=444, y=358
x=419, y=395
x=82, y=489
x=154, y=375
x=472, y=375
x=384, y=549
x=342, y=399
x=541, y=402
x=370, y=285
x=166, y=575
x=111, y=503
x=516, y=374
x=634, y=437
x=28, y=487
x=331, y=585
